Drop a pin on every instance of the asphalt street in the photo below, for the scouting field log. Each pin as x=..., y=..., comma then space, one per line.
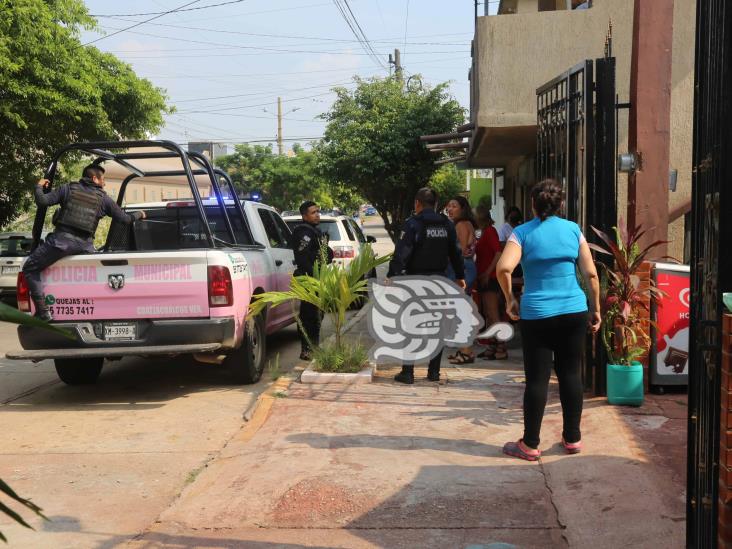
x=88, y=455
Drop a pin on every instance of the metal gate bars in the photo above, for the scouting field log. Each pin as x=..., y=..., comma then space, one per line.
x=711, y=266
x=576, y=145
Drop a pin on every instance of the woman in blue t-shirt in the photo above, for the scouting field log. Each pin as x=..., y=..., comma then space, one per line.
x=554, y=314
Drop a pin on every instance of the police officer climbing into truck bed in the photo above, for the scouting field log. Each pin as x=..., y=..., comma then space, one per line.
x=83, y=204
x=428, y=242
x=308, y=243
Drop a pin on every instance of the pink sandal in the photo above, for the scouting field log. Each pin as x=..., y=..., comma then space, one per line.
x=520, y=450
x=572, y=447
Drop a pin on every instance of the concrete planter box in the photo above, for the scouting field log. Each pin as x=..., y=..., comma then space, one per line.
x=366, y=375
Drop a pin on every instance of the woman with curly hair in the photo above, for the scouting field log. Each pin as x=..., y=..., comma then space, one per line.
x=460, y=213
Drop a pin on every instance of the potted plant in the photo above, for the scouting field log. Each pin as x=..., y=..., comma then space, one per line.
x=623, y=300
x=333, y=289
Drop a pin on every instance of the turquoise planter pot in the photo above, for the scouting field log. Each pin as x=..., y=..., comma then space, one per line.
x=625, y=384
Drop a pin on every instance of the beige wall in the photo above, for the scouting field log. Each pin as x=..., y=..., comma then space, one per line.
x=515, y=54
x=153, y=190
x=682, y=115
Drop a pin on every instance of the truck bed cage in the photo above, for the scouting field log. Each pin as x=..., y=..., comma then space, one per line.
x=103, y=151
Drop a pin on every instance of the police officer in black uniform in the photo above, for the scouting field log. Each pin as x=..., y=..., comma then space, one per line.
x=83, y=204
x=428, y=242
x=309, y=243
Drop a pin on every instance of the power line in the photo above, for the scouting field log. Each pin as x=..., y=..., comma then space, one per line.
x=406, y=25
x=165, y=12
x=297, y=37
x=265, y=92
x=360, y=37
x=159, y=15
x=217, y=110
x=273, y=51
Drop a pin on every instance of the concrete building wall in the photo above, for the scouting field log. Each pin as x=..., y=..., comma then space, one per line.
x=516, y=53
x=682, y=115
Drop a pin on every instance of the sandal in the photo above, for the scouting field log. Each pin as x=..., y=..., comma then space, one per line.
x=452, y=356
x=463, y=358
x=488, y=354
x=572, y=447
x=519, y=450
x=501, y=355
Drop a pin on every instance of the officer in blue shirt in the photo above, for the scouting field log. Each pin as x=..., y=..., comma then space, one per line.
x=83, y=204
x=428, y=242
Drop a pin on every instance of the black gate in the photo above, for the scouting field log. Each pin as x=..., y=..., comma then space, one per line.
x=565, y=133
x=711, y=262
x=576, y=145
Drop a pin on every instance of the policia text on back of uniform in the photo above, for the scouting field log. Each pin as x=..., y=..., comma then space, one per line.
x=83, y=204
x=427, y=245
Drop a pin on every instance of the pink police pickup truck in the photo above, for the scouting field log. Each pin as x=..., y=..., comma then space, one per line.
x=178, y=282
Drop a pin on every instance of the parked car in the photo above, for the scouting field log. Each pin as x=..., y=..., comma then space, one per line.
x=370, y=210
x=345, y=237
x=178, y=282
x=14, y=248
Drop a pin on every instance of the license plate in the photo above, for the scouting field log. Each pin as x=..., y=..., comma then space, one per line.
x=119, y=332
x=12, y=269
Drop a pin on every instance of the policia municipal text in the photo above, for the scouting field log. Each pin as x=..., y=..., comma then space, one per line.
x=83, y=204
x=428, y=242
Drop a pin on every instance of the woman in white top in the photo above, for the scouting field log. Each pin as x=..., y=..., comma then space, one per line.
x=513, y=220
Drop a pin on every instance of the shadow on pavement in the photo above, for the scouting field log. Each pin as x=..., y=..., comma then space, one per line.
x=396, y=442
x=145, y=383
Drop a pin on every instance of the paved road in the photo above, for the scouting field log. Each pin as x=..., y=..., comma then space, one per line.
x=105, y=460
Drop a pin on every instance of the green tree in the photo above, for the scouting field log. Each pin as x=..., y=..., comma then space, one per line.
x=448, y=181
x=285, y=180
x=371, y=142
x=54, y=90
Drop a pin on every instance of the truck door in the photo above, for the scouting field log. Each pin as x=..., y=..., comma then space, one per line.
x=278, y=242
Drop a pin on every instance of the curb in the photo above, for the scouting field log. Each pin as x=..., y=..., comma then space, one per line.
x=258, y=412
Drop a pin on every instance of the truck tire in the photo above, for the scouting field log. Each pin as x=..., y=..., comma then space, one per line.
x=246, y=363
x=79, y=371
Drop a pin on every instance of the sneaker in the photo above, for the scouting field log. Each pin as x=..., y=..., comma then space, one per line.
x=519, y=450
x=572, y=447
x=404, y=377
x=43, y=314
x=433, y=376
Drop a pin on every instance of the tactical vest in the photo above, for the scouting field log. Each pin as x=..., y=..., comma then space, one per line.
x=80, y=211
x=431, y=248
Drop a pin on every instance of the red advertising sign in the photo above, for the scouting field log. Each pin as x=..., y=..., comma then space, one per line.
x=672, y=318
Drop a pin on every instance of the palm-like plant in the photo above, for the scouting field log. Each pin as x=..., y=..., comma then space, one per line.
x=333, y=289
x=622, y=297
x=9, y=314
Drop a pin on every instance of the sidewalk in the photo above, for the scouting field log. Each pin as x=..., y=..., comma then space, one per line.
x=388, y=465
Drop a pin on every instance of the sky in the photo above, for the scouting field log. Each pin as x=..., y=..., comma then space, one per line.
x=223, y=66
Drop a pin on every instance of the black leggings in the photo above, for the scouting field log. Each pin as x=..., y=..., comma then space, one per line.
x=557, y=340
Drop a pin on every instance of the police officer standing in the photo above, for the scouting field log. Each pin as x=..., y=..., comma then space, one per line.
x=309, y=243
x=83, y=204
x=428, y=242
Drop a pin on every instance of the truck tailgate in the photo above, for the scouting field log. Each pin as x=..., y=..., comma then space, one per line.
x=128, y=285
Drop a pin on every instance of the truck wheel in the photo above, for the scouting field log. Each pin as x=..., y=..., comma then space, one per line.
x=79, y=371
x=247, y=362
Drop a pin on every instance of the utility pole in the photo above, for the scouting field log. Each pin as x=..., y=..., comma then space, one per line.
x=396, y=60
x=279, y=125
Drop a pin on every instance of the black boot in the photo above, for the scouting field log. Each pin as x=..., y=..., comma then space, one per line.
x=42, y=311
x=406, y=375
x=433, y=375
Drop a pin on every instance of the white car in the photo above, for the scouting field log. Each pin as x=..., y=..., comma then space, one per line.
x=14, y=248
x=345, y=237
